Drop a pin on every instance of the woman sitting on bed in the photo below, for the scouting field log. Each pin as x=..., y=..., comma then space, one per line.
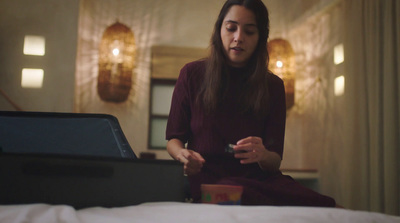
x=230, y=110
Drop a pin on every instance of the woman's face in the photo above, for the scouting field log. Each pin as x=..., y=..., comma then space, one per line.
x=239, y=34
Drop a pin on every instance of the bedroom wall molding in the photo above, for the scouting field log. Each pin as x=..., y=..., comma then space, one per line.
x=167, y=61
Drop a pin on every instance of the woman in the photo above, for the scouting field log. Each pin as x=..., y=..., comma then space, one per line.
x=231, y=98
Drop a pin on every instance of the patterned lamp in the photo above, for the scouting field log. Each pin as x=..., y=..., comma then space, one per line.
x=282, y=63
x=116, y=63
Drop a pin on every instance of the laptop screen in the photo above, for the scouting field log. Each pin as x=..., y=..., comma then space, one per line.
x=63, y=133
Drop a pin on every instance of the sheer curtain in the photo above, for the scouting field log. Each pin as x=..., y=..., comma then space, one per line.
x=371, y=177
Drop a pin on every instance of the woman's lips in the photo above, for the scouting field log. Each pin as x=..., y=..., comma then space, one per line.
x=237, y=49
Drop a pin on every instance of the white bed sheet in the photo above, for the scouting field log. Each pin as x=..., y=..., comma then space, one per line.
x=186, y=213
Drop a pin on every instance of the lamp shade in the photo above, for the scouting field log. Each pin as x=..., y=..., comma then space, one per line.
x=282, y=63
x=116, y=63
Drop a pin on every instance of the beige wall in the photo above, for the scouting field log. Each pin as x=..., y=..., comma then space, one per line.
x=310, y=123
x=57, y=21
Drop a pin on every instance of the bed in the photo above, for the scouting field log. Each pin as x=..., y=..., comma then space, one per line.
x=178, y=212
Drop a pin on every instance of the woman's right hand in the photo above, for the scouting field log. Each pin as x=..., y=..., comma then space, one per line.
x=192, y=161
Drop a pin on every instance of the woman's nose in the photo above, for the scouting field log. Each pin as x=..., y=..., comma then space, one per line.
x=239, y=36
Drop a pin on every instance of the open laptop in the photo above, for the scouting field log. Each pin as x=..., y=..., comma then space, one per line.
x=55, y=171
x=63, y=133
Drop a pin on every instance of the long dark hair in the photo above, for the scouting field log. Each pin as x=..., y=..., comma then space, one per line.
x=255, y=96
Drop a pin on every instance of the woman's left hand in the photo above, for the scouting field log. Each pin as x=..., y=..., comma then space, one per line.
x=250, y=150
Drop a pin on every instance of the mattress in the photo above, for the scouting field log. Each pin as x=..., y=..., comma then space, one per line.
x=179, y=212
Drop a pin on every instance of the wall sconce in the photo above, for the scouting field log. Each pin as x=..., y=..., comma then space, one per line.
x=338, y=59
x=282, y=63
x=116, y=63
x=339, y=85
x=32, y=78
x=338, y=54
x=34, y=45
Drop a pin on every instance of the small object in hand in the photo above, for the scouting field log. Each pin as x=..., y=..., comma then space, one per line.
x=229, y=149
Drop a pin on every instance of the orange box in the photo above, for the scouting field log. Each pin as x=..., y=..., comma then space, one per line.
x=221, y=194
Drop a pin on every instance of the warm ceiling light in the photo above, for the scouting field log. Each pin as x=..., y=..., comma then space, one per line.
x=32, y=78
x=34, y=45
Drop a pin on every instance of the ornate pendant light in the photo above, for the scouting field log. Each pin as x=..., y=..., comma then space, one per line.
x=116, y=63
x=282, y=63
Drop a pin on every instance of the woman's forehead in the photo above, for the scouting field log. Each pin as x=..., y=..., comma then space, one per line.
x=240, y=15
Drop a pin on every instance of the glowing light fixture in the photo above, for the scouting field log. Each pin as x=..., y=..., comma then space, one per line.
x=339, y=85
x=115, y=52
x=338, y=54
x=32, y=78
x=279, y=64
x=282, y=63
x=116, y=63
x=34, y=45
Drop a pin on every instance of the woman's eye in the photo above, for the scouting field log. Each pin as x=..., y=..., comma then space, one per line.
x=250, y=32
x=231, y=28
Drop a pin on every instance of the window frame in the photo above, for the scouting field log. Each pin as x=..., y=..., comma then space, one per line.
x=156, y=82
